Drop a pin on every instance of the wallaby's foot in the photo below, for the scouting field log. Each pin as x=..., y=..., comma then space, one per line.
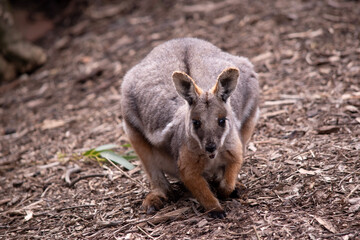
x=224, y=191
x=217, y=214
x=239, y=190
x=227, y=192
x=154, y=201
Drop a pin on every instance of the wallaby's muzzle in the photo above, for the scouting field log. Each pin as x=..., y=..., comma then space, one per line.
x=210, y=147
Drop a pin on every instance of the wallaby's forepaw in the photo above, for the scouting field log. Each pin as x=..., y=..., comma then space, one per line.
x=238, y=191
x=217, y=214
x=153, y=203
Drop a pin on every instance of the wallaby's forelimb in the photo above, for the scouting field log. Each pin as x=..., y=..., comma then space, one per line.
x=191, y=167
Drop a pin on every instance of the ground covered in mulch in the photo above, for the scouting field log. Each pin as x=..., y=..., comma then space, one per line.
x=302, y=170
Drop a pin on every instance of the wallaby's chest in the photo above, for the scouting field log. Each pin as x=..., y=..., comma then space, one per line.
x=214, y=168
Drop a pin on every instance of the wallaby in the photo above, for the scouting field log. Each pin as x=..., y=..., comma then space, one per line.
x=189, y=109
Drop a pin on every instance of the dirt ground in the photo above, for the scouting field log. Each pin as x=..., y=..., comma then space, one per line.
x=302, y=170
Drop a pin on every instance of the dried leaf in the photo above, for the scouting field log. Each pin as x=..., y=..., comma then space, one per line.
x=29, y=215
x=252, y=147
x=347, y=96
x=275, y=155
x=325, y=224
x=355, y=204
x=202, y=223
x=351, y=108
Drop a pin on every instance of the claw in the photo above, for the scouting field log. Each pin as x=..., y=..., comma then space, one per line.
x=239, y=190
x=217, y=214
x=151, y=210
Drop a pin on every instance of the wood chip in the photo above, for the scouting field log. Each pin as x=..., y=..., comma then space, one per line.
x=351, y=108
x=307, y=34
x=52, y=123
x=273, y=114
x=224, y=19
x=325, y=224
x=29, y=215
x=347, y=96
x=328, y=129
x=280, y=102
x=309, y=172
x=208, y=7
x=252, y=147
x=202, y=223
x=169, y=215
x=262, y=57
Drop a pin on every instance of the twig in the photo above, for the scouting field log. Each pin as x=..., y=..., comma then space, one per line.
x=104, y=224
x=70, y=171
x=145, y=232
x=336, y=234
x=130, y=223
x=127, y=175
x=86, y=176
x=256, y=233
x=351, y=192
x=73, y=207
x=343, y=179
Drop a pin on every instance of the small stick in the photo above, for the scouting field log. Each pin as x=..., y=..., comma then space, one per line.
x=142, y=230
x=128, y=176
x=73, y=207
x=257, y=235
x=86, y=176
x=70, y=171
x=352, y=191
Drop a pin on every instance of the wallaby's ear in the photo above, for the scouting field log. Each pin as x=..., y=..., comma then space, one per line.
x=226, y=83
x=186, y=87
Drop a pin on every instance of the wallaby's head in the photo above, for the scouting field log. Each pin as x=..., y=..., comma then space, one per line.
x=209, y=117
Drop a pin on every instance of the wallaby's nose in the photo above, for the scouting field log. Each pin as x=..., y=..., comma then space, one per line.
x=210, y=147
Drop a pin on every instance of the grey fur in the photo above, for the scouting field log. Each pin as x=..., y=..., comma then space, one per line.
x=150, y=102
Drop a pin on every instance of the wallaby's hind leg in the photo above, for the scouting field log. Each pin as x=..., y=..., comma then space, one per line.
x=248, y=127
x=160, y=186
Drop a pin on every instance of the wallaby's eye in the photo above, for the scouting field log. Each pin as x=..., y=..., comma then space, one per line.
x=221, y=122
x=196, y=123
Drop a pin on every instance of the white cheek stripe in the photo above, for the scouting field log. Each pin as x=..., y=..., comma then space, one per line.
x=227, y=130
x=167, y=128
x=196, y=137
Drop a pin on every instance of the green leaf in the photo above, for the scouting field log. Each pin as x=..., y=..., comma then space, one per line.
x=106, y=147
x=128, y=145
x=111, y=156
x=130, y=157
x=91, y=152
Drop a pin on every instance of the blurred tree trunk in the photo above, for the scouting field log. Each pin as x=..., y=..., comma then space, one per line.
x=16, y=54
